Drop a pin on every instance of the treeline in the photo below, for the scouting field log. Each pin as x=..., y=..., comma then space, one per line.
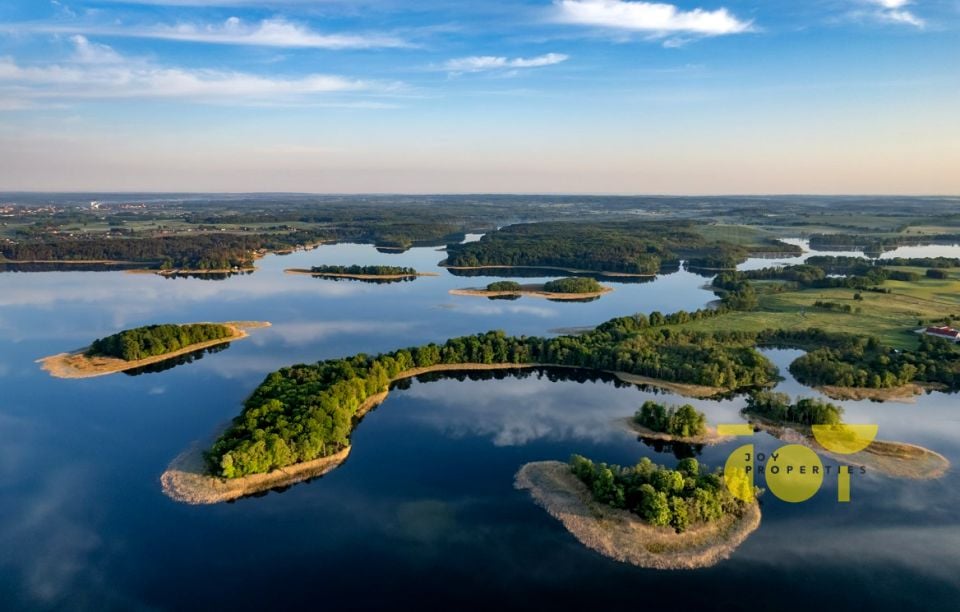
x=739, y=294
x=504, y=286
x=779, y=408
x=623, y=326
x=833, y=306
x=303, y=412
x=620, y=246
x=198, y=251
x=684, y=421
x=860, y=362
x=573, y=285
x=365, y=270
x=154, y=340
x=679, y=498
x=875, y=244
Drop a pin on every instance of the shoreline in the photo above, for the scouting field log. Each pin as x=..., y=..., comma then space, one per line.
x=307, y=272
x=905, y=394
x=625, y=537
x=535, y=290
x=560, y=268
x=177, y=271
x=710, y=438
x=187, y=481
x=76, y=364
x=890, y=458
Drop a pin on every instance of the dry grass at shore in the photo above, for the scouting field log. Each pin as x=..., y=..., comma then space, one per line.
x=623, y=536
x=893, y=459
x=710, y=438
x=78, y=365
x=186, y=478
x=906, y=394
x=684, y=389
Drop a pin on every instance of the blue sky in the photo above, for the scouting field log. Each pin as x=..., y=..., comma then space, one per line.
x=572, y=96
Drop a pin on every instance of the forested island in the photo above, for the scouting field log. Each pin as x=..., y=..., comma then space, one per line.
x=355, y=272
x=570, y=289
x=646, y=515
x=142, y=346
x=686, y=424
x=638, y=248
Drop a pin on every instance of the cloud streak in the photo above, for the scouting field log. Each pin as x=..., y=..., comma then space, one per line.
x=482, y=63
x=96, y=71
x=650, y=17
x=895, y=11
x=274, y=32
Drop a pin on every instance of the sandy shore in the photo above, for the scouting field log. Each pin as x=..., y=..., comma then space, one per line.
x=532, y=291
x=571, y=270
x=623, y=536
x=893, y=459
x=187, y=480
x=710, y=438
x=905, y=394
x=308, y=272
x=77, y=365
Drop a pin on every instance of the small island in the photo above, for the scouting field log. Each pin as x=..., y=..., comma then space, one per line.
x=142, y=346
x=363, y=273
x=573, y=288
x=647, y=515
x=684, y=424
x=818, y=425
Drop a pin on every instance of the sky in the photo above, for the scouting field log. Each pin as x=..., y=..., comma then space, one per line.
x=445, y=96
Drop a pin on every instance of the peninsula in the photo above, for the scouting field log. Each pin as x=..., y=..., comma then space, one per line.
x=818, y=426
x=645, y=515
x=142, y=346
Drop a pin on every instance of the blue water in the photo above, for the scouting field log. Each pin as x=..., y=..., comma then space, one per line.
x=424, y=512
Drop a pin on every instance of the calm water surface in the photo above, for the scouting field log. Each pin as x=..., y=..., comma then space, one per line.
x=424, y=511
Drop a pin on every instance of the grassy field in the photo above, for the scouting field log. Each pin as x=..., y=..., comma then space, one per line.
x=892, y=317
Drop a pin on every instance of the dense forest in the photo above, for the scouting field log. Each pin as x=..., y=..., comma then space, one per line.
x=573, y=285
x=504, y=286
x=365, y=270
x=305, y=411
x=863, y=362
x=684, y=421
x=201, y=251
x=680, y=498
x=612, y=246
x=875, y=245
x=154, y=340
x=805, y=411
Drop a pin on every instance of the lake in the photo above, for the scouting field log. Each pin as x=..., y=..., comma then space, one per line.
x=424, y=511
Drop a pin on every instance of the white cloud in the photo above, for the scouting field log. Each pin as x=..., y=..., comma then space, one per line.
x=480, y=63
x=275, y=32
x=97, y=71
x=652, y=17
x=892, y=11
